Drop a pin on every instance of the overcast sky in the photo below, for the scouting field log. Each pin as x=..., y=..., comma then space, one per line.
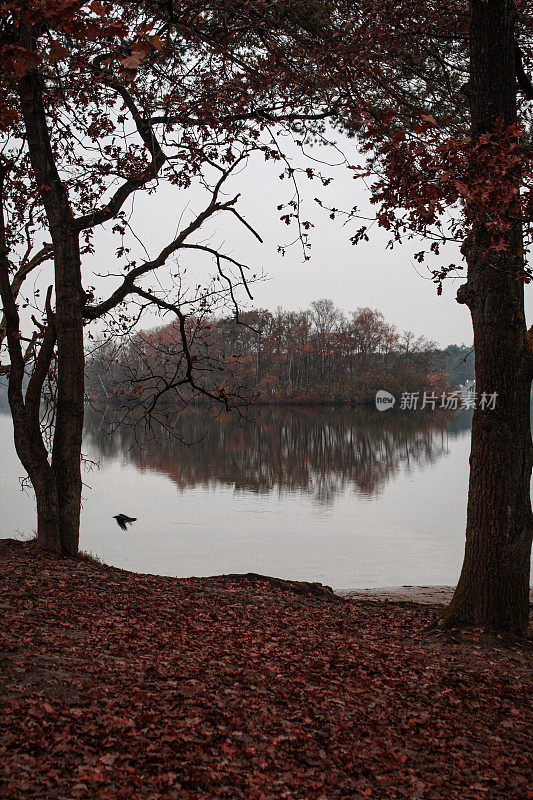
x=367, y=274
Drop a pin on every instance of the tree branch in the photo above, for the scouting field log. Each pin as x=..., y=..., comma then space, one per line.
x=40, y=371
x=144, y=128
x=188, y=379
x=128, y=284
x=46, y=252
x=257, y=114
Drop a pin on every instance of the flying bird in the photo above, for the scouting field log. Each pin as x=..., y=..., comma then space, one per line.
x=123, y=521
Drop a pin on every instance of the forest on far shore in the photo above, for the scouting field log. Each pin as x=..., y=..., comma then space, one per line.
x=317, y=355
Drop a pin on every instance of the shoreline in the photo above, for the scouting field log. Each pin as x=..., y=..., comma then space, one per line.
x=435, y=595
x=423, y=595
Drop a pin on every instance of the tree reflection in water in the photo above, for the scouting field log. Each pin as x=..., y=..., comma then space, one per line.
x=320, y=451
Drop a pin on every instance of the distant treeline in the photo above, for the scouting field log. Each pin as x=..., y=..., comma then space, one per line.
x=318, y=355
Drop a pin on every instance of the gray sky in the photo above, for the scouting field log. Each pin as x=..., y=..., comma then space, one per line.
x=367, y=274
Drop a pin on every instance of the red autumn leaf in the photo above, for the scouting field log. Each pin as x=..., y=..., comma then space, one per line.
x=135, y=59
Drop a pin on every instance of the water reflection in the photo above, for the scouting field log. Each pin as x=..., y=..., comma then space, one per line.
x=319, y=451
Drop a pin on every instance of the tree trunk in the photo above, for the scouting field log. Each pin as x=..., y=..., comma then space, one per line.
x=66, y=453
x=493, y=590
x=68, y=319
x=48, y=530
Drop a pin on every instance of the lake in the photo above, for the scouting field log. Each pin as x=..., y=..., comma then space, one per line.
x=348, y=497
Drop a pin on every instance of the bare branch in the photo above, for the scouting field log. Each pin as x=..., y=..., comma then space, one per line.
x=128, y=284
x=220, y=256
x=188, y=379
x=46, y=252
x=246, y=224
x=38, y=377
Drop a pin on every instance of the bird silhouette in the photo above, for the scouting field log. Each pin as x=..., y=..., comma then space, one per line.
x=123, y=521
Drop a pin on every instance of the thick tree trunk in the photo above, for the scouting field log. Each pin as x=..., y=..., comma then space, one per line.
x=493, y=589
x=68, y=319
x=48, y=531
x=66, y=453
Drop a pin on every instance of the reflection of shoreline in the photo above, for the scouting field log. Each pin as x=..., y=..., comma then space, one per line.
x=321, y=451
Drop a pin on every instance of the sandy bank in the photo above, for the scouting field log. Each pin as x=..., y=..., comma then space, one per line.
x=427, y=595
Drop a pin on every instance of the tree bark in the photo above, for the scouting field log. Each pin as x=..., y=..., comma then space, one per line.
x=493, y=589
x=69, y=308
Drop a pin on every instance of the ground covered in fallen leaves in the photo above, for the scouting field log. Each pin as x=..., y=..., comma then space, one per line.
x=125, y=686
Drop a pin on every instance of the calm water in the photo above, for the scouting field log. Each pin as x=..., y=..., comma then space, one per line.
x=350, y=498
